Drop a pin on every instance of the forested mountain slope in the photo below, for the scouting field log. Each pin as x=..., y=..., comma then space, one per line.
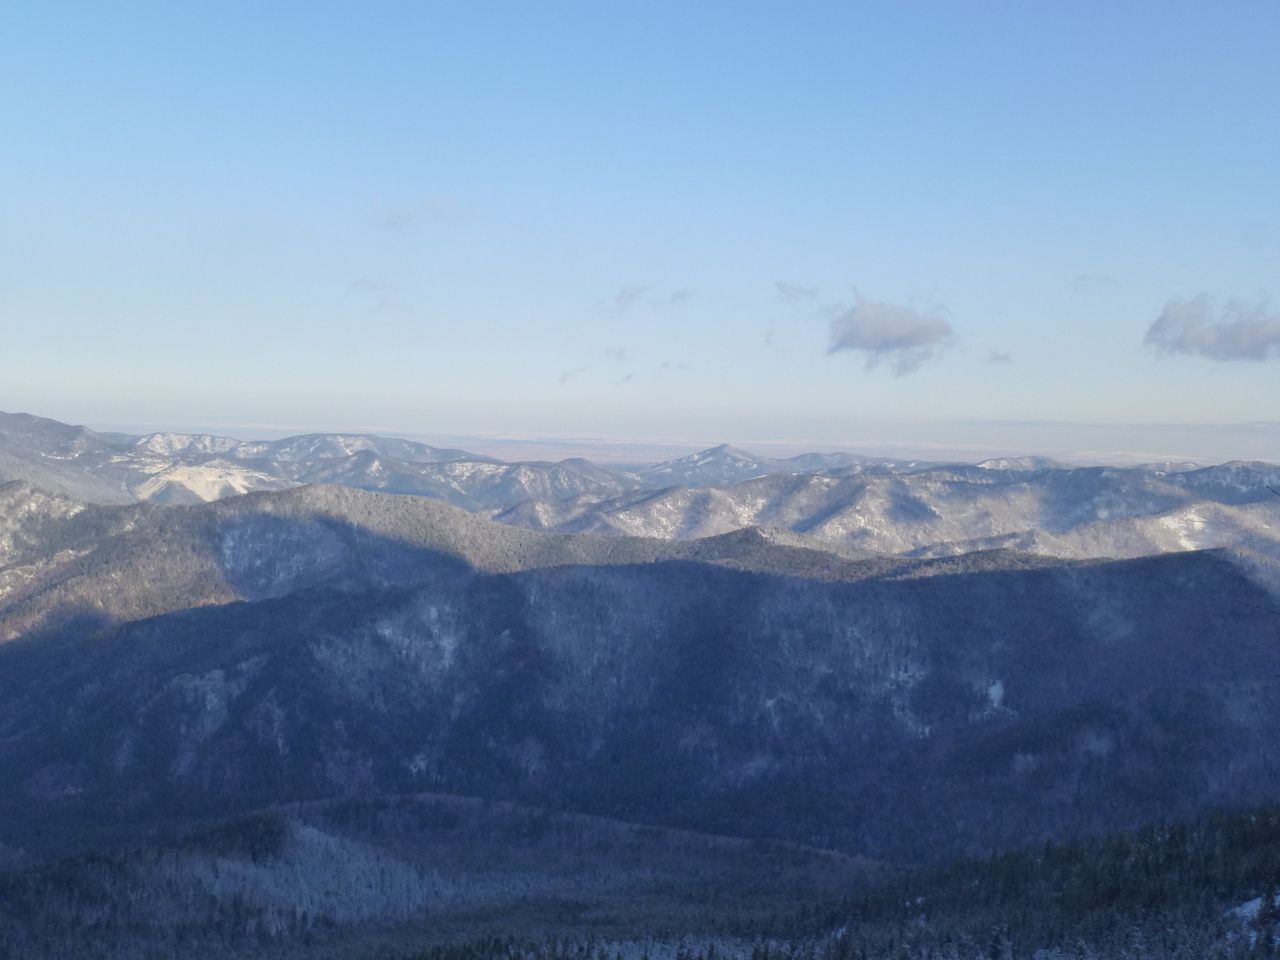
x=323, y=649
x=449, y=878
x=308, y=644
x=333, y=878
x=62, y=558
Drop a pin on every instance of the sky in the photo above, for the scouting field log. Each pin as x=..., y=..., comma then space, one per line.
x=800, y=223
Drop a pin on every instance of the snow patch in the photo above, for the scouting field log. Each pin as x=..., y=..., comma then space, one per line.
x=1191, y=530
x=207, y=481
x=995, y=694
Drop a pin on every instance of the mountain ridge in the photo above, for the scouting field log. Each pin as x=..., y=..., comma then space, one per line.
x=837, y=501
x=307, y=643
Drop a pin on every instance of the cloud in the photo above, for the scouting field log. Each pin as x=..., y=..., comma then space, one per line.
x=432, y=208
x=570, y=374
x=382, y=295
x=372, y=287
x=793, y=293
x=1089, y=283
x=626, y=298
x=902, y=335
x=626, y=379
x=999, y=356
x=616, y=354
x=642, y=295
x=1235, y=330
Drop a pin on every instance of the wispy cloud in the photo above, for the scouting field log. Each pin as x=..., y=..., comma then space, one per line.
x=999, y=356
x=616, y=354
x=1199, y=326
x=901, y=335
x=626, y=298
x=382, y=296
x=638, y=295
x=570, y=374
x=407, y=216
x=626, y=378
x=794, y=293
x=1092, y=283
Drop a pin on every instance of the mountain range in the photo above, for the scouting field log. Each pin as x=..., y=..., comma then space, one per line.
x=833, y=501
x=310, y=712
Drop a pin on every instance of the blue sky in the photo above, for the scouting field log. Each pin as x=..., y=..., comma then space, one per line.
x=652, y=221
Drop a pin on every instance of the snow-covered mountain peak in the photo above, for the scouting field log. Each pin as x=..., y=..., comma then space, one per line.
x=1020, y=464
x=714, y=466
x=724, y=451
x=185, y=444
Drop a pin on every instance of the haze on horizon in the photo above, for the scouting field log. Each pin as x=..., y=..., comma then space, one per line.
x=1006, y=230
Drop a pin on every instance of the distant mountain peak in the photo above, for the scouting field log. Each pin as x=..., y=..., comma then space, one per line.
x=1020, y=463
x=728, y=451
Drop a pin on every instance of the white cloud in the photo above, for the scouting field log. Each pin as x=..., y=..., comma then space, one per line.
x=1235, y=330
x=902, y=335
